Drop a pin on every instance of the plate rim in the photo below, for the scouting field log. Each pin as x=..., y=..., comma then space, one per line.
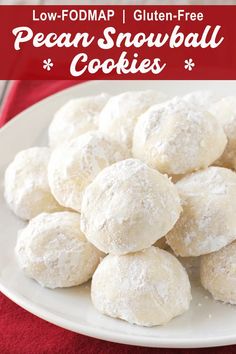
x=121, y=338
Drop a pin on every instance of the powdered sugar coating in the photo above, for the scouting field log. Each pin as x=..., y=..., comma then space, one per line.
x=218, y=273
x=176, y=139
x=120, y=114
x=200, y=100
x=146, y=288
x=225, y=112
x=53, y=251
x=128, y=207
x=208, y=221
x=76, y=117
x=26, y=185
x=76, y=163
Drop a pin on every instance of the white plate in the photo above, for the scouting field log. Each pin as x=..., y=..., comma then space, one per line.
x=207, y=323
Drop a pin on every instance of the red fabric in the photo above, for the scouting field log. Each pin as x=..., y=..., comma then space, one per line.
x=24, y=333
x=23, y=94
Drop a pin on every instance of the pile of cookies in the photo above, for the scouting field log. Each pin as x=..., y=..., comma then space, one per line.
x=124, y=177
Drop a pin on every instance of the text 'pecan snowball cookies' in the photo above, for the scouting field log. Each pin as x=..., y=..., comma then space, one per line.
x=225, y=112
x=218, y=273
x=146, y=288
x=208, y=220
x=74, y=164
x=26, y=184
x=119, y=115
x=53, y=251
x=175, y=139
x=76, y=117
x=128, y=207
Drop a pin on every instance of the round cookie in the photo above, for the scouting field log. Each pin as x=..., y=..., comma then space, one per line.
x=128, y=207
x=26, y=184
x=225, y=112
x=218, y=273
x=76, y=117
x=175, y=139
x=200, y=100
x=52, y=250
x=76, y=163
x=146, y=288
x=208, y=221
x=120, y=114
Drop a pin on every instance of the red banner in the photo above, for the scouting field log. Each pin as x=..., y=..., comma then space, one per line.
x=116, y=42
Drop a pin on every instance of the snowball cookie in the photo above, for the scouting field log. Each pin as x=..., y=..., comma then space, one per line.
x=26, y=184
x=225, y=112
x=201, y=99
x=146, y=288
x=128, y=207
x=218, y=273
x=74, y=164
x=76, y=117
x=119, y=115
x=175, y=139
x=53, y=250
x=208, y=220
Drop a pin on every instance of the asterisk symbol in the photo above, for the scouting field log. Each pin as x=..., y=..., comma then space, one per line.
x=189, y=64
x=47, y=64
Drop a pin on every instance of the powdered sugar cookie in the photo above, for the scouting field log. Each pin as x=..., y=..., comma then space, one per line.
x=175, y=139
x=146, y=288
x=76, y=163
x=208, y=221
x=76, y=117
x=200, y=100
x=119, y=115
x=128, y=207
x=218, y=273
x=26, y=185
x=225, y=112
x=53, y=250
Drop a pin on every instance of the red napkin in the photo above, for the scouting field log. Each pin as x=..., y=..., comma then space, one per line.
x=24, y=333
x=23, y=94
